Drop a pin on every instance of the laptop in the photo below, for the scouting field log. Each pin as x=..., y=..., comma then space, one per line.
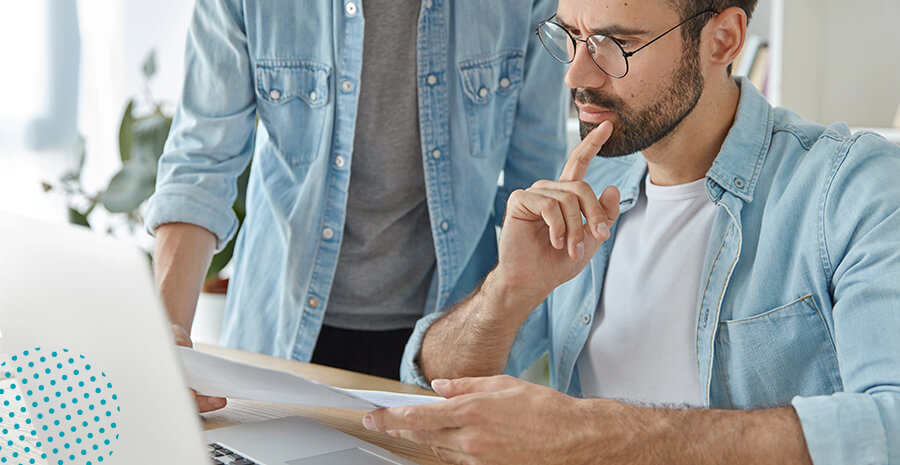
x=89, y=373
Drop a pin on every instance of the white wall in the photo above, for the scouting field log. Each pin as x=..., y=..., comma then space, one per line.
x=841, y=60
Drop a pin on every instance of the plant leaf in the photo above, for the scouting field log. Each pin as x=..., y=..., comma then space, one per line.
x=129, y=188
x=149, y=67
x=149, y=136
x=76, y=217
x=80, y=155
x=221, y=259
x=125, y=131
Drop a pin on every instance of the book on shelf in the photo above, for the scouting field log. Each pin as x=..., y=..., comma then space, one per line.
x=897, y=118
x=753, y=62
x=759, y=72
x=744, y=61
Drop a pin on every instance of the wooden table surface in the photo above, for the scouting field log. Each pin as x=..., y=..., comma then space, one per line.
x=346, y=420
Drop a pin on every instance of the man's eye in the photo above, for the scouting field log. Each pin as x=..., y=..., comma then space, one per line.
x=624, y=43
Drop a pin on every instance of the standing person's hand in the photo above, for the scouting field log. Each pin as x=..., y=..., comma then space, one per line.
x=544, y=241
x=204, y=403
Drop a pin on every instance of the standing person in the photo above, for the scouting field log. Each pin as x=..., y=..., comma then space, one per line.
x=373, y=196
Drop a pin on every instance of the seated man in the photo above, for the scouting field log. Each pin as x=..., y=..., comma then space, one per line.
x=745, y=262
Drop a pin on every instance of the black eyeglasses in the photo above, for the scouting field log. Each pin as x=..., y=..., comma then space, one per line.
x=607, y=52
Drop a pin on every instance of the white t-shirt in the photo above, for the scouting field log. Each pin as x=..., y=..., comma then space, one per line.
x=643, y=344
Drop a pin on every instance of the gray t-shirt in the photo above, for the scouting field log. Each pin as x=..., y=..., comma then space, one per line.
x=387, y=255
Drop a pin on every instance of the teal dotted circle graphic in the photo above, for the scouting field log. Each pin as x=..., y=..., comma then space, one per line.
x=56, y=408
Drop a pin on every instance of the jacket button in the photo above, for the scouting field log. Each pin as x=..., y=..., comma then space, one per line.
x=327, y=233
x=483, y=92
x=586, y=319
x=431, y=79
x=504, y=83
x=313, y=302
x=275, y=94
x=739, y=183
x=351, y=9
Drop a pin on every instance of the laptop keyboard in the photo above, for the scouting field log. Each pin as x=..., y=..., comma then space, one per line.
x=222, y=455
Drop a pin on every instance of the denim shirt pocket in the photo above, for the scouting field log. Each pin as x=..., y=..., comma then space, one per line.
x=292, y=98
x=491, y=86
x=767, y=359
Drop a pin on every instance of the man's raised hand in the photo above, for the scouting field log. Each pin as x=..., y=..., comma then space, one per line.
x=545, y=240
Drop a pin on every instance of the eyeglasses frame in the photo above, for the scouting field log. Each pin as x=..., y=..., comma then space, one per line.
x=625, y=54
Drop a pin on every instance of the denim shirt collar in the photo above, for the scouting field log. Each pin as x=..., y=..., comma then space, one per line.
x=737, y=166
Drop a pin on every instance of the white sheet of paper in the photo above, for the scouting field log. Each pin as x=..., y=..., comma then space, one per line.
x=216, y=376
x=384, y=399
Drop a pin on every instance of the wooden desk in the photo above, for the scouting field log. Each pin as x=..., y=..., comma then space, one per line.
x=348, y=421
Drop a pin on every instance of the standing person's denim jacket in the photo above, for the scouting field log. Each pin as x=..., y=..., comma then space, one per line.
x=490, y=100
x=800, y=293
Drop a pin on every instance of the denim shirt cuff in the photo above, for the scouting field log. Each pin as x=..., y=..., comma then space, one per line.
x=843, y=428
x=410, y=371
x=180, y=205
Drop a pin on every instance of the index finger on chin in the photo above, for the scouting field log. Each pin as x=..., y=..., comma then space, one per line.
x=581, y=156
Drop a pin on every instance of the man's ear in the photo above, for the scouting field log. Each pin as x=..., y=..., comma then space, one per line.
x=724, y=36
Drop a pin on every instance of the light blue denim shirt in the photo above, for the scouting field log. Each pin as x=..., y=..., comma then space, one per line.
x=490, y=100
x=800, y=292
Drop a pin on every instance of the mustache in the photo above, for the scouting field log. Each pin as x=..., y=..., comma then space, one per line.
x=590, y=97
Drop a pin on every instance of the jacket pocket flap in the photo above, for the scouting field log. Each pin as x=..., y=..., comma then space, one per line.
x=482, y=77
x=280, y=81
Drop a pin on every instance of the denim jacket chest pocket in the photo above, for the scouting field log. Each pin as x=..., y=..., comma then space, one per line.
x=767, y=359
x=491, y=86
x=292, y=101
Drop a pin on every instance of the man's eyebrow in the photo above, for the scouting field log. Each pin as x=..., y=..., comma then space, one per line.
x=613, y=30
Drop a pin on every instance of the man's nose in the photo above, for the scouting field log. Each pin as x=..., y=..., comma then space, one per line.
x=583, y=72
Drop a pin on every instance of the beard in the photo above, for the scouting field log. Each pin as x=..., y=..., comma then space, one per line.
x=639, y=128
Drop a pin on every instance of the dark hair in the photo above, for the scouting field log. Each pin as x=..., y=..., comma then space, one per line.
x=690, y=33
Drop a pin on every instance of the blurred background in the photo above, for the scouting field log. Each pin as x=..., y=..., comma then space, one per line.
x=87, y=88
x=71, y=67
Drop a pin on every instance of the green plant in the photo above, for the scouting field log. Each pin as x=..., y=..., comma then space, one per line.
x=141, y=141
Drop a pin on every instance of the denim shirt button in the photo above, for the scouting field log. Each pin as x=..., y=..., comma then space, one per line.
x=313, y=302
x=483, y=92
x=327, y=233
x=351, y=9
x=275, y=94
x=504, y=82
x=346, y=86
x=445, y=226
x=586, y=319
x=313, y=96
x=739, y=183
x=436, y=154
x=431, y=79
x=339, y=161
